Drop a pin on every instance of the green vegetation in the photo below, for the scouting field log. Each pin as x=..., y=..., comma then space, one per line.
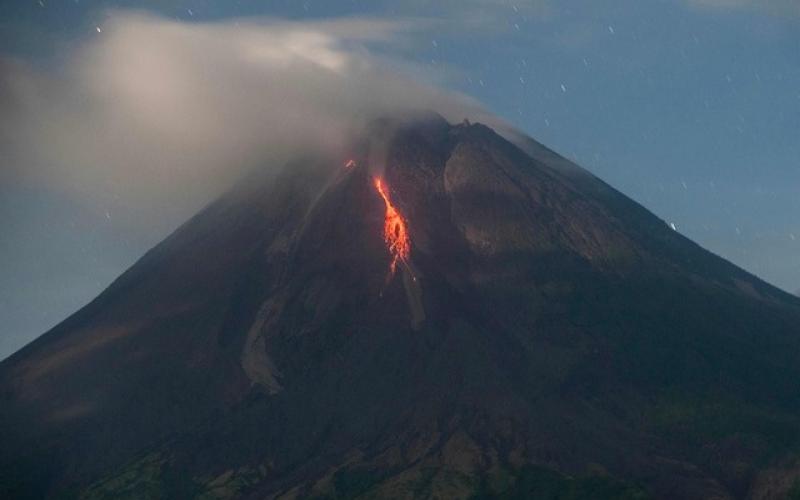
x=350, y=483
x=794, y=491
x=545, y=484
x=713, y=419
x=529, y=482
x=151, y=477
x=154, y=478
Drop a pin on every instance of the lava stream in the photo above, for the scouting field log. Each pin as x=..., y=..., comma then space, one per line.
x=394, y=231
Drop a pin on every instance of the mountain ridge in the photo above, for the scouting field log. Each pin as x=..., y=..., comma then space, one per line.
x=571, y=341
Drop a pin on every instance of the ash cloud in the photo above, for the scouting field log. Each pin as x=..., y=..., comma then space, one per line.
x=153, y=118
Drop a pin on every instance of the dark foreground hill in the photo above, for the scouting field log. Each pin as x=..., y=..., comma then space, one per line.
x=543, y=337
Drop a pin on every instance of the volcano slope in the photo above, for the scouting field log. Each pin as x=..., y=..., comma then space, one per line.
x=545, y=337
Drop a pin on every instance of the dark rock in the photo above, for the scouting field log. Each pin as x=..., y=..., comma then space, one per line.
x=559, y=339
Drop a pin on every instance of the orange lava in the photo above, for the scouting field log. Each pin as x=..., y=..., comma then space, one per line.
x=394, y=230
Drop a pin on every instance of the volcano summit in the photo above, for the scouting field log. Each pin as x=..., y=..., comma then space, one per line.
x=469, y=318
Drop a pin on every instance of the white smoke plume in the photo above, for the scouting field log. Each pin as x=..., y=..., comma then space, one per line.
x=155, y=117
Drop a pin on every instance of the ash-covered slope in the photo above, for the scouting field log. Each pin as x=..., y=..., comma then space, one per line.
x=544, y=336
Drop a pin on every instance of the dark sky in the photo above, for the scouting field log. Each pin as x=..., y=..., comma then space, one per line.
x=691, y=107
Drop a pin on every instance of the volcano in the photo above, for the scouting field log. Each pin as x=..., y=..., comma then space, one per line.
x=442, y=313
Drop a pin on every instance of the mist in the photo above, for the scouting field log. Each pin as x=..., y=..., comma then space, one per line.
x=118, y=138
x=152, y=118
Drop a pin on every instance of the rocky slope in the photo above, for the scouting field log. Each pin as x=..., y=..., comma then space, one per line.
x=548, y=337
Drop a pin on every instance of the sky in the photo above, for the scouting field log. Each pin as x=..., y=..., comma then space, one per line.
x=114, y=130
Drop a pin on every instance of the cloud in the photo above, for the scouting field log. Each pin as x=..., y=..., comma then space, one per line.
x=790, y=8
x=157, y=116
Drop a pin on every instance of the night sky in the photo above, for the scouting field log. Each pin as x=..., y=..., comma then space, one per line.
x=690, y=107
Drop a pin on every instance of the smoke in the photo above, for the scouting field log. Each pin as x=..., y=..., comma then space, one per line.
x=154, y=117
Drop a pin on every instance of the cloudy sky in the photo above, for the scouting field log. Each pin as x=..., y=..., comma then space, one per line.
x=119, y=119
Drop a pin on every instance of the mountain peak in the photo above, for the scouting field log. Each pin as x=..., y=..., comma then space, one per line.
x=442, y=312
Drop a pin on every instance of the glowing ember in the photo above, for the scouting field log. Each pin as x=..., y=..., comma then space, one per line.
x=350, y=164
x=394, y=230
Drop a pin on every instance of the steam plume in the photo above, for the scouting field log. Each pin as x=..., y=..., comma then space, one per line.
x=156, y=116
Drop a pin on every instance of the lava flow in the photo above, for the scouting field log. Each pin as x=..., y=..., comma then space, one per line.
x=394, y=230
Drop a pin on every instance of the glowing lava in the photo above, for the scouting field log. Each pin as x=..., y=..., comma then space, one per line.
x=394, y=230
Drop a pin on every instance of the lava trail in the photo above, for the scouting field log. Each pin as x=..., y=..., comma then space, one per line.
x=394, y=230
